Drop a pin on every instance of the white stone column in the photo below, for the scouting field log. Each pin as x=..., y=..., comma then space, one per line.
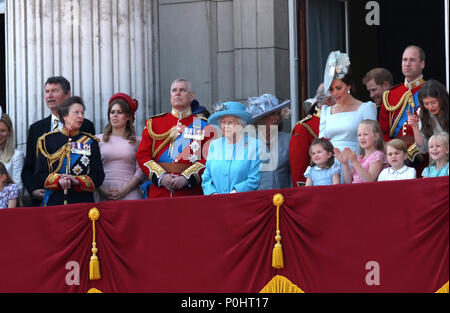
x=101, y=47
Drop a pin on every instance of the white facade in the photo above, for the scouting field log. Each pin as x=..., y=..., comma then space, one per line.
x=228, y=49
x=101, y=47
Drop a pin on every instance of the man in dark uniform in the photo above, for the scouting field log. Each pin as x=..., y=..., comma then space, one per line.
x=57, y=89
x=173, y=149
x=69, y=160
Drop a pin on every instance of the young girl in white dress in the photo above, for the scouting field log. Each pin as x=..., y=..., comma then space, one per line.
x=367, y=166
x=323, y=169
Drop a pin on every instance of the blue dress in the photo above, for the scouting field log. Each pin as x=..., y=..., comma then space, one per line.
x=322, y=176
x=232, y=167
x=431, y=171
x=342, y=128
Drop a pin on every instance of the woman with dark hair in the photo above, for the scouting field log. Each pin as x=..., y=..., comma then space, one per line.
x=118, y=147
x=9, y=192
x=339, y=123
x=69, y=165
x=433, y=114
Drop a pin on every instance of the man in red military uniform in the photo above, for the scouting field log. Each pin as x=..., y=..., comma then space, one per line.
x=174, y=146
x=402, y=99
x=302, y=137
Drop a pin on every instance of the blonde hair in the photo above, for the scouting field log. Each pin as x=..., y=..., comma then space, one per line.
x=8, y=151
x=443, y=139
x=397, y=144
x=379, y=144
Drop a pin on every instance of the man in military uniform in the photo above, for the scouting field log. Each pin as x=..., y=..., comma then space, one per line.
x=402, y=99
x=69, y=166
x=303, y=135
x=57, y=90
x=173, y=149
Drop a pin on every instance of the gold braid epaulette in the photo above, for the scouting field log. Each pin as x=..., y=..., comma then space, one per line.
x=307, y=127
x=59, y=155
x=165, y=136
x=90, y=135
x=404, y=100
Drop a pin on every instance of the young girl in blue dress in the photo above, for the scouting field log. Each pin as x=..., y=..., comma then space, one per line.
x=438, y=148
x=323, y=170
x=9, y=192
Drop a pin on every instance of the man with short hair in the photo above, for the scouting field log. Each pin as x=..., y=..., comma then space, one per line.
x=377, y=81
x=173, y=149
x=402, y=99
x=57, y=89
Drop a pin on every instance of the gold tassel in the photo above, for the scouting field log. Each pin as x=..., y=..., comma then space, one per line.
x=94, y=265
x=277, y=254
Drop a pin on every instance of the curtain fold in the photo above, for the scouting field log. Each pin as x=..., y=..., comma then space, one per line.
x=224, y=243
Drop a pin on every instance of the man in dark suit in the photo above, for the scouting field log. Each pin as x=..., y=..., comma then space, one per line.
x=57, y=89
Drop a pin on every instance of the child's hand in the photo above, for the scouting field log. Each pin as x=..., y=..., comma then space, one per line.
x=350, y=155
x=340, y=156
x=413, y=120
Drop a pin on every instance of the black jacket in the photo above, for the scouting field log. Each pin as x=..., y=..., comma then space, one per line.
x=85, y=166
x=35, y=131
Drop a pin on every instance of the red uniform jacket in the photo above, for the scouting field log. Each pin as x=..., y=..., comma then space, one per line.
x=393, y=118
x=302, y=137
x=177, y=144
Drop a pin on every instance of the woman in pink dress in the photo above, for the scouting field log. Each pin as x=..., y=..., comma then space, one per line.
x=118, y=146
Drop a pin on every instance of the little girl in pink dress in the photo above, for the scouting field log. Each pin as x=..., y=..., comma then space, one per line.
x=367, y=166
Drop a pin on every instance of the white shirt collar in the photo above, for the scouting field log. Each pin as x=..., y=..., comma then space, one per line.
x=415, y=83
x=400, y=171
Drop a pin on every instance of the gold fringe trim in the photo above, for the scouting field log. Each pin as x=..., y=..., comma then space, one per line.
x=280, y=284
x=444, y=289
x=277, y=253
x=94, y=265
x=94, y=290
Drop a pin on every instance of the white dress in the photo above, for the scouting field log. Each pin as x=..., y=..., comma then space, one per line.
x=342, y=128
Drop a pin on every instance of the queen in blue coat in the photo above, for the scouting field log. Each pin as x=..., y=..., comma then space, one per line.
x=233, y=162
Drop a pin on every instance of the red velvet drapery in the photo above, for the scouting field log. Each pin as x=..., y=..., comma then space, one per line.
x=224, y=243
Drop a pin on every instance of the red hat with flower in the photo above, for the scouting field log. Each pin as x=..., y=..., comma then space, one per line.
x=132, y=103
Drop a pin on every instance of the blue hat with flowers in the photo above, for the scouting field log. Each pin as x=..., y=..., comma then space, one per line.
x=236, y=109
x=337, y=67
x=264, y=105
